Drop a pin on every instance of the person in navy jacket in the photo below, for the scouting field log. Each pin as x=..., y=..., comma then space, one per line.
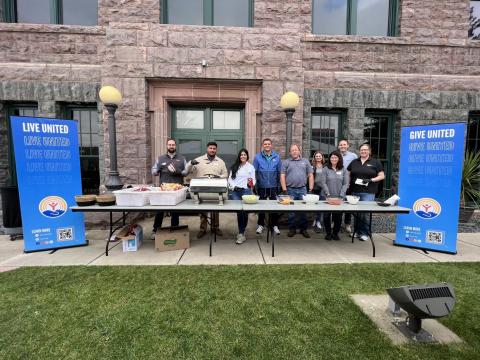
x=267, y=166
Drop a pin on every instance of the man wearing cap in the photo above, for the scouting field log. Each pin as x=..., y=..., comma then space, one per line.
x=202, y=166
x=296, y=172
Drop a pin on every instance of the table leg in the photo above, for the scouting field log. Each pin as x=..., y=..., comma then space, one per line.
x=211, y=232
x=370, y=235
x=268, y=227
x=109, y=234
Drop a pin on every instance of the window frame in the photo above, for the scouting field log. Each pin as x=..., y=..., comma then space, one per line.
x=208, y=15
x=392, y=27
x=388, y=170
x=10, y=109
x=342, y=119
x=473, y=116
x=56, y=12
x=68, y=111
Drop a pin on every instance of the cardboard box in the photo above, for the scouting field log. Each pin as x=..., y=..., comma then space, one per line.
x=172, y=238
x=131, y=236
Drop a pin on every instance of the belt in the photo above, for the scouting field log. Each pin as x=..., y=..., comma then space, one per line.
x=236, y=188
x=295, y=187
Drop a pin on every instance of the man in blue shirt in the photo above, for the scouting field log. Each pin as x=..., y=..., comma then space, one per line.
x=267, y=166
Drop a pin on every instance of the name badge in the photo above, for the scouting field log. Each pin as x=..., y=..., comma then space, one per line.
x=339, y=173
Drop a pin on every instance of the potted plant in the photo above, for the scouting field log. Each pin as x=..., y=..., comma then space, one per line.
x=470, y=191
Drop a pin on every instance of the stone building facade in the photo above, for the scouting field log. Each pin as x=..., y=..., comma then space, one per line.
x=428, y=73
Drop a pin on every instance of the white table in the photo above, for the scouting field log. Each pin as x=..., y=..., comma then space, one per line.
x=369, y=207
x=267, y=206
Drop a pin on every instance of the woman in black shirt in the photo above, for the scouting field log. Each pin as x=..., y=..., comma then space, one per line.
x=365, y=174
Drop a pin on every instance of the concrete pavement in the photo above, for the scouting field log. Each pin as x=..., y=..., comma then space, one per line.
x=256, y=250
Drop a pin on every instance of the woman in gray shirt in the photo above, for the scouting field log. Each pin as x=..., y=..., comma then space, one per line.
x=317, y=163
x=335, y=180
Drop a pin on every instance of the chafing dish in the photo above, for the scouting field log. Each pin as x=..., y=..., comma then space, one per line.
x=209, y=188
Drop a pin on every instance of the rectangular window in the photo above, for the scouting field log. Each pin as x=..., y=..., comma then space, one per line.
x=473, y=133
x=378, y=132
x=16, y=110
x=208, y=12
x=326, y=131
x=355, y=17
x=70, y=12
x=474, y=21
x=89, y=143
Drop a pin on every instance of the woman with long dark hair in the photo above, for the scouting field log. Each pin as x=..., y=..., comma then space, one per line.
x=318, y=162
x=335, y=181
x=241, y=182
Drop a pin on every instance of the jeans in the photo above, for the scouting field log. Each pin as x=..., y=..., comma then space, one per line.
x=242, y=216
x=270, y=194
x=159, y=219
x=297, y=194
x=362, y=225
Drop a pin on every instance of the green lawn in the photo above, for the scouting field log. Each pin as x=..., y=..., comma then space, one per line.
x=222, y=312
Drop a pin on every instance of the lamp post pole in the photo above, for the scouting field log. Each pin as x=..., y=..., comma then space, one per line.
x=113, y=182
x=289, y=113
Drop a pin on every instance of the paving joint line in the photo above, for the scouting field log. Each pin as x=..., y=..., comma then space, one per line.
x=103, y=253
x=181, y=256
x=261, y=252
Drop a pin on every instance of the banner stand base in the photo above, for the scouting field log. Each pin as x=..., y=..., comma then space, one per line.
x=425, y=249
x=59, y=248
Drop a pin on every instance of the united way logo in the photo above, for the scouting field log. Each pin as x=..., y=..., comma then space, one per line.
x=427, y=208
x=52, y=206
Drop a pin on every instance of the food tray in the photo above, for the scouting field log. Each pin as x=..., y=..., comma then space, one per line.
x=158, y=197
x=130, y=197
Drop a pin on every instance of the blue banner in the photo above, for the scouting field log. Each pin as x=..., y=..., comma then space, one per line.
x=48, y=171
x=431, y=159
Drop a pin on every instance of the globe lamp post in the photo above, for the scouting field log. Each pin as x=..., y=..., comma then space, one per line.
x=288, y=103
x=111, y=98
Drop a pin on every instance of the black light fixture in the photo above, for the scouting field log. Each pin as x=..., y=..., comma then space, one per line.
x=423, y=302
x=111, y=98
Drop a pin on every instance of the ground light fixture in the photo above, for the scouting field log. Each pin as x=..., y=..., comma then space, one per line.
x=423, y=302
x=288, y=102
x=111, y=98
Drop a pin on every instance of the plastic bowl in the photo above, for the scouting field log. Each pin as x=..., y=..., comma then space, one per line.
x=311, y=198
x=250, y=199
x=334, y=200
x=352, y=199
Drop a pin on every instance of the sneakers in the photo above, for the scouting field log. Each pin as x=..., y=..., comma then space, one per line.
x=348, y=228
x=240, y=239
x=363, y=237
x=305, y=234
x=259, y=229
x=317, y=227
x=201, y=234
x=291, y=233
x=152, y=235
x=335, y=237
x=276, y=230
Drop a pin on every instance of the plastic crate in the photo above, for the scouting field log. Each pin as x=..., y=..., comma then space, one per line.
x=129, y=197
x=168, y=197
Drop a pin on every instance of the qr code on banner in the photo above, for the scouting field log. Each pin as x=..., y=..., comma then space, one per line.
x=65, y=234
x=435, y=237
